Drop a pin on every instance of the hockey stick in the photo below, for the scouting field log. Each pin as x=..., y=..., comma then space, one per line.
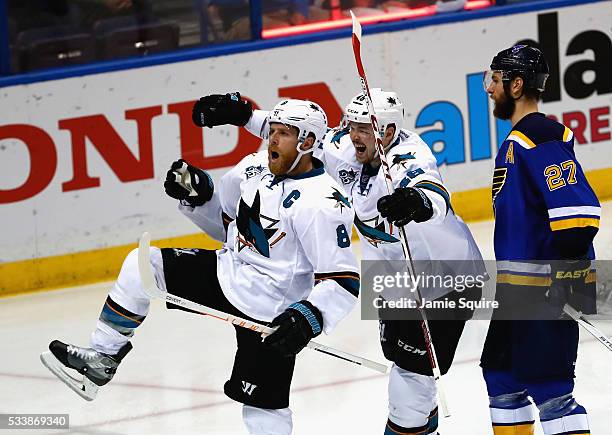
x=150, y=287
x=592, y=329
x=433, y=359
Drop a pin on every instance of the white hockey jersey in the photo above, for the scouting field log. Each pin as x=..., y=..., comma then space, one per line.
x=287, y=239
x=444, y=238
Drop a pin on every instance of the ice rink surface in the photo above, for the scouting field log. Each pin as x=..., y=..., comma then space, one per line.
x=172, y=382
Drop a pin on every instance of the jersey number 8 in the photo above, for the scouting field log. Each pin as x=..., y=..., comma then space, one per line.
x=344, y=241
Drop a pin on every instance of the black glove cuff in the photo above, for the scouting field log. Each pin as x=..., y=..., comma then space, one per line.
x=312, y=315
x=244, y=113
x=426, y=211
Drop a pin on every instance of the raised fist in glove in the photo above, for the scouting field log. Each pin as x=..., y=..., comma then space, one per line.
x=297, y=325
x=217, y=109
x=404, y=205
x=569, y=286
x=188, y=183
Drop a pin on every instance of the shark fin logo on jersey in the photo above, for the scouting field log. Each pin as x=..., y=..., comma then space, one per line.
x=253, y=171
x=510, y=153
x=339, y=135
x=251, y=231
x=341, y=200
x=499, y=178
x=375, y=233
x=347, y=177
x=401, y=159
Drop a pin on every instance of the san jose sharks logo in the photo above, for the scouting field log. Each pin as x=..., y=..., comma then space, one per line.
x=375, y=233
x=347, y=177
x=401, y=159
x=341, y=200
x=255, y=230
x=253, y=171
x=339, y=134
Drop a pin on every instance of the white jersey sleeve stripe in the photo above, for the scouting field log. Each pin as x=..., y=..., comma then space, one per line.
x=574, y=211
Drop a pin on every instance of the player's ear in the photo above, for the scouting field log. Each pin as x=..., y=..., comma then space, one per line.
x=389, y=132
x=516, y=87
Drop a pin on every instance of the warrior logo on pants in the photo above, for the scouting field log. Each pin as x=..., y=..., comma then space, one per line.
x=248, y=388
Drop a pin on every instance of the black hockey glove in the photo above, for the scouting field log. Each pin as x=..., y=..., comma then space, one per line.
x=213, y=110
x=569, y=287
x=297, y=325
x=405, y=205
x=188, y=184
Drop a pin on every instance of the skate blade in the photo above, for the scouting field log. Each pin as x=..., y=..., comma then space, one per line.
x=83, y=387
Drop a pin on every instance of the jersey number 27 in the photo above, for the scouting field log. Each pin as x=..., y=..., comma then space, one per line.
x=554, y=175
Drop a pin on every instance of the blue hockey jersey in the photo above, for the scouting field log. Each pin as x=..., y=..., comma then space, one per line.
x=539, y=188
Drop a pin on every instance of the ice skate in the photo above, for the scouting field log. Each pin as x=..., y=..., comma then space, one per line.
x=97, y=368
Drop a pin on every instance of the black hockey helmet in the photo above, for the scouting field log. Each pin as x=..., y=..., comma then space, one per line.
x=522, y=60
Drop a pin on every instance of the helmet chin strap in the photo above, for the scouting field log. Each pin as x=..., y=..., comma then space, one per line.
x=301, y=152
x=385, y=147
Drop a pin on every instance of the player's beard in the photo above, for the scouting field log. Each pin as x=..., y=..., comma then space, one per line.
x=504, y=107
x=281, y=164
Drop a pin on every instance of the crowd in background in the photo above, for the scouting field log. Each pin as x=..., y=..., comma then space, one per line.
x=78, y=31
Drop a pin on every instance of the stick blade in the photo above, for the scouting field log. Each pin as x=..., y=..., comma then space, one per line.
x=147, y=278
x=356, y=26
x=356, y=40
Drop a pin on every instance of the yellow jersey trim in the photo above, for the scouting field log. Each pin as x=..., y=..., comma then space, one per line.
x=565, y=224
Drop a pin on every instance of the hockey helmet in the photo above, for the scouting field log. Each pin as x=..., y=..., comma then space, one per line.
x=308, y=117
x=387, y=106
x=520, y=60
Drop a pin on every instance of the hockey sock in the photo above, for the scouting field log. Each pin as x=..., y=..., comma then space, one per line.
x=114, y=327
x=411, y=399
x=125, y=308
x=120, y=319
x=512, y=414
x=396, y=429
x=432, y=427
x=563, y=416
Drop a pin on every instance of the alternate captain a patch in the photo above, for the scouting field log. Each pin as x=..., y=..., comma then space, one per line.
x=510, y=153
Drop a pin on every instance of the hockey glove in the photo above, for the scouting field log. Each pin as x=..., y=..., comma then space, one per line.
x=297, y=325
x=188, y=184
x=213, y=110
x=404, y=205
x=569, y=287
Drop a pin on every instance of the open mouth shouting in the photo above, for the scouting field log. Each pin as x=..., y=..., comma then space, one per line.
x=273, y=156
x=360, y=150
